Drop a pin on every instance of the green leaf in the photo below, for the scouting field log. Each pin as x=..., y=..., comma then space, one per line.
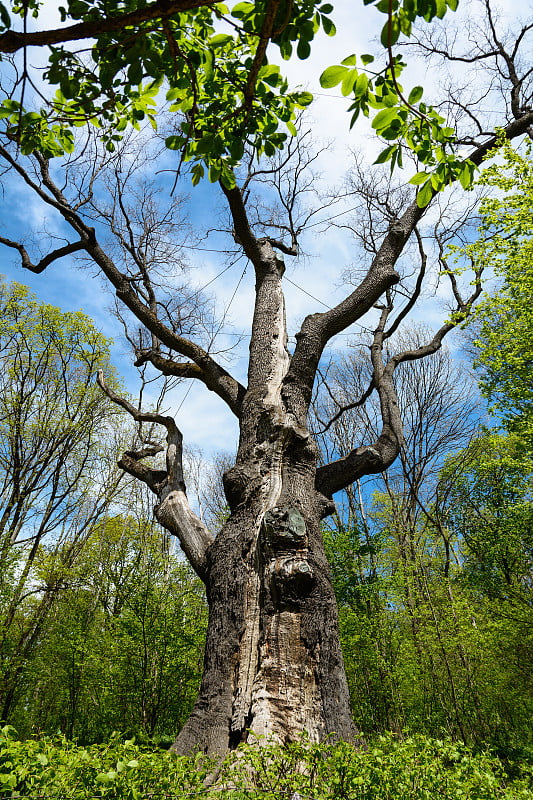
x=304, y=98
x=228, y=178
x=292, y=128
x=175, y=142
x=204, y=146
x=366, y=58
x=404, y=22
x=394, y=27
x=285, y=49
x=274, y=79
x=327, y=8
x=465, y=176
x=174, y=94
x=208, y=65
x=354, y=117
x=214, y=173
x=350, y=61
x=348, y=82
x=437, y=181
x=415, y=94
x=4, y=16
x=135, y=74
x=332, y=76
x=361, y=85
x=220, y=40
x=242, y=10
x=384, y=118
x=329, y=26
x=424, y=195
x=197, y=174
x=304, y=49
x=419, y=178
x=386, y=154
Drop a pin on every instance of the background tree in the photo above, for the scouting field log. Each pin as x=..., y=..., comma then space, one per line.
x=504, y=318
x=58, y=475
x=122, y=647
x=385, y=553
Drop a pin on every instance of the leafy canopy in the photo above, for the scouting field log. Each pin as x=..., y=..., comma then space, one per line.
x=210, y=61
x=406, y=121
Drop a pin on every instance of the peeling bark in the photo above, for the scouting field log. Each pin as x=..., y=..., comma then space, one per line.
x=273, y=664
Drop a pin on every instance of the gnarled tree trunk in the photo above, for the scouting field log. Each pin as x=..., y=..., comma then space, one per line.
x=273, y=663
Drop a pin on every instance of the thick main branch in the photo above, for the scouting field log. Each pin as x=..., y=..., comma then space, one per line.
x=11, y=41
x=318, y=329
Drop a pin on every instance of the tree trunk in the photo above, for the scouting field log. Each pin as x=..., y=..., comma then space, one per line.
x=273, y=662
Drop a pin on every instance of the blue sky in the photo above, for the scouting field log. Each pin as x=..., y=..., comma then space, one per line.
x=202, y=417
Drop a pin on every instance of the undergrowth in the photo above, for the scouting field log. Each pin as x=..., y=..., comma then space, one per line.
x=415, y=768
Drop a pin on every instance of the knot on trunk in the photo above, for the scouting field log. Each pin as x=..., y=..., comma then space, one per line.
x=290, y=577
x=239, y=483
x=284, y=528
x=288, y=573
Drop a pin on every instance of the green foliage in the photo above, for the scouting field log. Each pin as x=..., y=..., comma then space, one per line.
x=361, y=582
x=51, y=411
x=224, y=90
x=435, y=612
x=416, y=768
x=489, y=505
x=55, y=426
x=123, y=645
x=505, y=244
x=55, y=766
x=407, y=121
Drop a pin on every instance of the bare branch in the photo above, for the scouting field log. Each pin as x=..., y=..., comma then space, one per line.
x=55, y=255
x=168, y=366
x=318, y=329
x=283, y=248
x=173, y=510
x=367, y=460
x=416, y=292
x=217, y=378
x=348, y=407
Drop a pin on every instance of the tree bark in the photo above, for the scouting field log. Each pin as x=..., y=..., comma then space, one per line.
x=273, y=663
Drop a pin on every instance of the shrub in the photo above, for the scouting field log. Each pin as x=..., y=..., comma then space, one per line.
x=416, y=768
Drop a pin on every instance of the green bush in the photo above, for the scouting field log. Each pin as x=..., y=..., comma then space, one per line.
x=417, y=768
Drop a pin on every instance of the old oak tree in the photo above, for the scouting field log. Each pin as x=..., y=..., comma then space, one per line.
x=273, y=663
